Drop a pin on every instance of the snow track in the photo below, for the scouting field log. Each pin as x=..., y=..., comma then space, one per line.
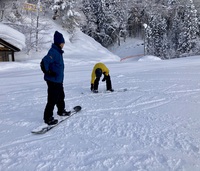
x=153, y=126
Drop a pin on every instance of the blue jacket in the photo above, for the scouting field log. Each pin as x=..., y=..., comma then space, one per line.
x=53, y=62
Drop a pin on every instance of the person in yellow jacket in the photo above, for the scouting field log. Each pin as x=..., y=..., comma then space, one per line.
x=97, y=72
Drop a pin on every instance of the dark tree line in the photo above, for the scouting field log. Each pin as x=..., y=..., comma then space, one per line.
x=171, y=30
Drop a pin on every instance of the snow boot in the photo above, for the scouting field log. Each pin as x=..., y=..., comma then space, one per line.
x=51, y=121
x=95, y=91
x=64, y=113
x=111, y=90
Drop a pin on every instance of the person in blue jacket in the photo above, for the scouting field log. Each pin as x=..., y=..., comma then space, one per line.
x=53, y=68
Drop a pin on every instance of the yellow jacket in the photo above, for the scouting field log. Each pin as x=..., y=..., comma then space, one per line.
x=104, y=69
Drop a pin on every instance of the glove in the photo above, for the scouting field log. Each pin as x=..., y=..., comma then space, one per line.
x=92, y=87
x=51, y=73
x=104, y=78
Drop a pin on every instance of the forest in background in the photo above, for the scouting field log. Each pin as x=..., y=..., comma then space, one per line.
x=169, y=28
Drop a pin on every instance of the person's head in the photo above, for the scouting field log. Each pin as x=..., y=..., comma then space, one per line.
x=98, y=72
x=59, y=39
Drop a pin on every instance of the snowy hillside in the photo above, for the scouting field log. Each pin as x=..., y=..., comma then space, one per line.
x=154, y=126
x=76, y=47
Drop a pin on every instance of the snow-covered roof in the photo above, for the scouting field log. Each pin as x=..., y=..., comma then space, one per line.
x=12, y=36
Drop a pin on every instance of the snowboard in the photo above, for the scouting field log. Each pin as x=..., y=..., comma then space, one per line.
x=45, y=128
x=102, y=92
x=115, y=91
x=118, y=90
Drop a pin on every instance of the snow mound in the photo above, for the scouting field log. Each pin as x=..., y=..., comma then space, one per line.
x=149, y=58
x=82, y=44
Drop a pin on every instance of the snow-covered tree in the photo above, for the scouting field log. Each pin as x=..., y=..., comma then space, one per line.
x=189, y=25
x=11, y=10
x=137, y=17
x=157, y=36
x=106, y=20
x=96, y=21
x=172, y=29
x=116, y=12
x=172, y=25
x=65, y=12
x=2, y=10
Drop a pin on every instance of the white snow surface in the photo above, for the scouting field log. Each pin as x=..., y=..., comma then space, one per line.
x=154, y=126
x=12, y=36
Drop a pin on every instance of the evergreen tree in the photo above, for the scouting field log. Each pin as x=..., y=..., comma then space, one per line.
x=174, y=30
x=106, y=20
x=117, y=13
x=97, y=22
x=157, y=36
x=90, y=25
x=189, y=25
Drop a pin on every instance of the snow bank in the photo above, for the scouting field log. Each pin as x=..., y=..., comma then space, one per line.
x=149, y=58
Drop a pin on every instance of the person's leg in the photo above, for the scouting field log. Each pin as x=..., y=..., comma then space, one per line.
x=96, y=83
x=61, y=103
x=108, y=83
x=53, y=94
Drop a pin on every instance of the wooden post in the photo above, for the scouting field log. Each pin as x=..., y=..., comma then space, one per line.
x=13, y=57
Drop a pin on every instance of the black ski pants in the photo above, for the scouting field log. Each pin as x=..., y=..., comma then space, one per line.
x=56, y=97
x=108, y=83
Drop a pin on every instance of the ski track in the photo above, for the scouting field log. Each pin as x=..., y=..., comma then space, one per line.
x=137, y=134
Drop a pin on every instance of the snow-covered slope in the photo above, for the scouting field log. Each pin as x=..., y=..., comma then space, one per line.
x=154, y=126
x=76, y=46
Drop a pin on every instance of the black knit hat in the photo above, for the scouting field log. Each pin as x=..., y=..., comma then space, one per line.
x=58, y=38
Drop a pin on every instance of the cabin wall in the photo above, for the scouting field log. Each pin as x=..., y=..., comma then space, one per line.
x=6, y=56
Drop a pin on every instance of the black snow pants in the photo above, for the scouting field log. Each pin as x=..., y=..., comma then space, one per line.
x=108, y=83
x=56, y=97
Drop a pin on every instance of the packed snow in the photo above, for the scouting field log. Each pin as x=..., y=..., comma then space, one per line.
x=153, y=126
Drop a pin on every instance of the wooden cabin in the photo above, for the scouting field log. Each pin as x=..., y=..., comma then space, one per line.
x=7, y=51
